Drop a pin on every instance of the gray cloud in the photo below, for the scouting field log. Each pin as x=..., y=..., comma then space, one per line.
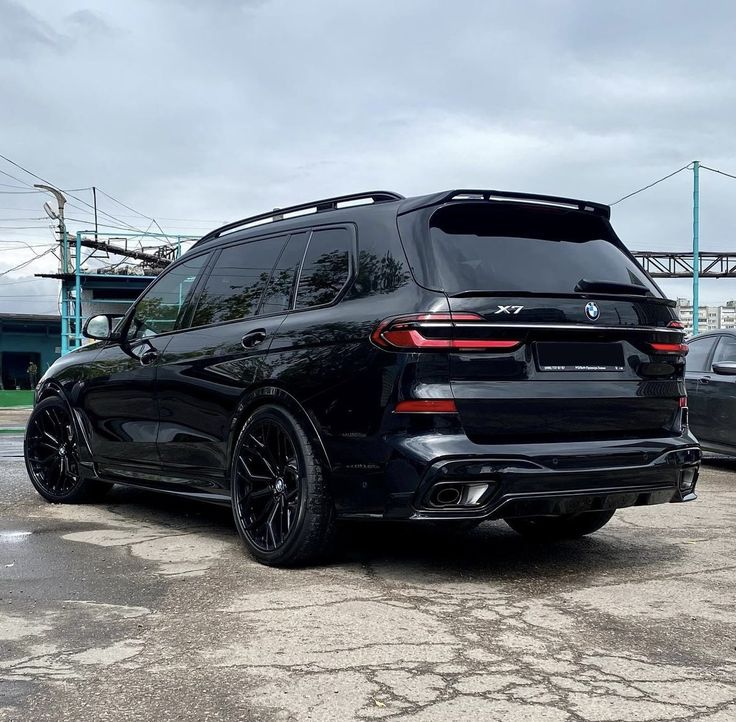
x=22, y=32
x=216, y=110
x=88, y=22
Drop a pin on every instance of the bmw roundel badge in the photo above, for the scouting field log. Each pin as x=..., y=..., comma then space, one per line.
x=592, y=311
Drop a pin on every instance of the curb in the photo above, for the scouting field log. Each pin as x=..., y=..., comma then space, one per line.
x=19, y=430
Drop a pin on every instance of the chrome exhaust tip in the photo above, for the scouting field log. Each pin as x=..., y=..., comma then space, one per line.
x=446, y=495
x=458, y=495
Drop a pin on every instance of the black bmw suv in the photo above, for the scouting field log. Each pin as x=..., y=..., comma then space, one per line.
x=454, y=357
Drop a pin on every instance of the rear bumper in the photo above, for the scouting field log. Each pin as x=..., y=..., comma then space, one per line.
x=540, y=479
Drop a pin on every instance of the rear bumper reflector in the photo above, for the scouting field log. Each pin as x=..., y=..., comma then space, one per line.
x=679, y=348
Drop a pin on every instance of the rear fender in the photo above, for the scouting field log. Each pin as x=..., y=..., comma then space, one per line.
x=279, y=397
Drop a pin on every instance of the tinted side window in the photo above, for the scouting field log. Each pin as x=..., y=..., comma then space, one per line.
x=326, y=267
x=162, y=305
x=234, y=287
x=697, y=356
x=280, y=290
x=726, y=350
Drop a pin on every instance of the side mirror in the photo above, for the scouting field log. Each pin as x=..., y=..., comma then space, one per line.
x=725, y=368
x=101, y=327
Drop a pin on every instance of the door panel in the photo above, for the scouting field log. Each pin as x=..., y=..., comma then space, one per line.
x=697, y=379
x=119, y=403
x=720, y=394
x=207, y=368
x=119, y=399
x=202, y=376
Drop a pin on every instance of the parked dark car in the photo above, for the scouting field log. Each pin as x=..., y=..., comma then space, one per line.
x=454, y=357
x=711, y=387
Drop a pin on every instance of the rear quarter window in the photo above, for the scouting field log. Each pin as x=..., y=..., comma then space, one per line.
x=327, y=267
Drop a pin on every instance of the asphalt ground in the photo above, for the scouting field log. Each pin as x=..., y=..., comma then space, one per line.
x=145, y=608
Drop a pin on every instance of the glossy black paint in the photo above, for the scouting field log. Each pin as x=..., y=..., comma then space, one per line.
x=712, y=395
x=164, y=411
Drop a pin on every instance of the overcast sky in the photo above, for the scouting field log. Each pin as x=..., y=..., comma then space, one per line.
x=197, y=112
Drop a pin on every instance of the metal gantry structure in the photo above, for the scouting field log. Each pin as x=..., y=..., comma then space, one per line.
x=675, y=264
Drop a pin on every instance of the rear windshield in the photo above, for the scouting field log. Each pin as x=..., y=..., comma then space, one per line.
x=510, y=247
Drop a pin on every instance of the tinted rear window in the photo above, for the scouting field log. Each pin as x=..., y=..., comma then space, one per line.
x=509, y=247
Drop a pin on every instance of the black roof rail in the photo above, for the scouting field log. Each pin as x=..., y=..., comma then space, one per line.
x=488, y=195
x=320, y=206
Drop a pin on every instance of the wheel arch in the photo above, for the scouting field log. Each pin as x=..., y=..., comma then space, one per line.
x=53, y=389
x=278, y=396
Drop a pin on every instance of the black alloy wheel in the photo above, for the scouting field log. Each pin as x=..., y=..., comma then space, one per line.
x=281, y=506
x=52, y=458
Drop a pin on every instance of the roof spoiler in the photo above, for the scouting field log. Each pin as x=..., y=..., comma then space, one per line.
x=435, y=199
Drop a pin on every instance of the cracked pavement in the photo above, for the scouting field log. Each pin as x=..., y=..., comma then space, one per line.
x=145, y=607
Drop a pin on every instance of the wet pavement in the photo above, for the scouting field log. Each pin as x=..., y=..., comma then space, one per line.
x=145, y=608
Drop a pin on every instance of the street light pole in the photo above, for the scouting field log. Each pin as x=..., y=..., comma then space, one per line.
x=65, y=264
x=60, y=201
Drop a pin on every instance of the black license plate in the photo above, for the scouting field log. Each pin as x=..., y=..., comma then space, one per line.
x=560, y=356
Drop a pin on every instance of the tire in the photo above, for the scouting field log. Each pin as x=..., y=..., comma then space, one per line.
x=51, y=451
x=554, y=528
x=282, y=506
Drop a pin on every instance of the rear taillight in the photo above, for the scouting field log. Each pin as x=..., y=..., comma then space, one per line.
x=437, y=331
x=675, y=324
x=683, y=402
x=680, y=349
x=424, y=406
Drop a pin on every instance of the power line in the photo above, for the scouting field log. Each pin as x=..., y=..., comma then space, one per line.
x=23, y=218
x=651, y=185
x=715, y=170
x=43, y=180
x=22, y=182
x=115, y=200
x=11, y=185
x=25, y=263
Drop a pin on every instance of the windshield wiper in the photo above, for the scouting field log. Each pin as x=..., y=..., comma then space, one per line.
x=584, y=285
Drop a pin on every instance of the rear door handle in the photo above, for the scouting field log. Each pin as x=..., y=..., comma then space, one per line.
x=254, y=338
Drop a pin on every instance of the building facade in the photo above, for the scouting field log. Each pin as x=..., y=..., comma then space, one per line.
x=710, y=318
x=26, y=339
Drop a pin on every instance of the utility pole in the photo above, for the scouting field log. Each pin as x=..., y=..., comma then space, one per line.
x=696, y=245
x=65, y=262
x=94, y=200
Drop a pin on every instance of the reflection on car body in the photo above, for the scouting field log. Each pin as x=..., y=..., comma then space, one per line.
x=455, y=357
